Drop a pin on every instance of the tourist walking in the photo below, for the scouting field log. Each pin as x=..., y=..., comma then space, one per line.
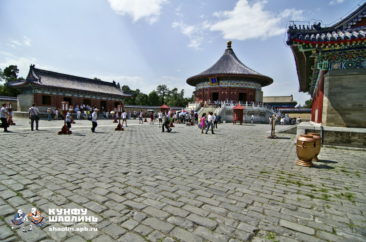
x=202, y=124
x=34, y=116
x=215, y=120
x=141, y=116
x=56, y=114
x=10, y=117
x=94, y=119
x=49, y=114
x=4, y=115
x=282, y=121
x=252, y=119
x=152, y=118
x=124, y=117
x=210, y=120
x=160, y=117
x=68, y=119
x=166, y=123
x=78, y=114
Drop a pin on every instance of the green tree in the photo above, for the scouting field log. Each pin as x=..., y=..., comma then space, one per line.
x=126, y=89
x=162, y=91
x=308, y=103
x=141, y=99
x=154, y=99
x=9, y=74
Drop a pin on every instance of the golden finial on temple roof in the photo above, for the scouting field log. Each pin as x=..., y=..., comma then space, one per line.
x=229, y=44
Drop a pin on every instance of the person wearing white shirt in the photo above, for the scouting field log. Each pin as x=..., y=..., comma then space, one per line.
x=56, y=114
x=68, y=119
x=78, y=114
x=160, y=117
x=210, y=121
x=94, y=119
x=124, y=117
x=4, y=115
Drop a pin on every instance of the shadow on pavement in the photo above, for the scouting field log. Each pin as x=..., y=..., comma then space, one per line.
x=328, y=161
x=323, y=167
x=78, y=134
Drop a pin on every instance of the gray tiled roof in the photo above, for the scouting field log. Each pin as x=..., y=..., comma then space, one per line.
x=229, y=64
x=346, y=29
x=8, y=98
x=52, y=79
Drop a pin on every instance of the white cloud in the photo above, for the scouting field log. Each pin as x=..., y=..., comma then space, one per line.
x=25, y=41
x=138, y=9
x=23, y=63
x=195, y=33
x=251, y=21
x=245, y=21
x=334, y=2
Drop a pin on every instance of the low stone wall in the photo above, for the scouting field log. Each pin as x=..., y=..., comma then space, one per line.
x=336, y=136
x=344, y=98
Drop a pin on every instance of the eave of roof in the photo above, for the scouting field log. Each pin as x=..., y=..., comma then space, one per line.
x=27, y=84
x=345, y=30
x=344, y=34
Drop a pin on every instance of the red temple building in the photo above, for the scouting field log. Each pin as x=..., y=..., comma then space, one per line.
x=229, y=80
x=47, y=89
x=331, y=67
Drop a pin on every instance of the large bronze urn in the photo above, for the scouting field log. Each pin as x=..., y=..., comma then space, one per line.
x=305, y=150
x=317, y=139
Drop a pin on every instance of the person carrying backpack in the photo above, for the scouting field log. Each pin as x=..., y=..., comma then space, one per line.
x=34, y=116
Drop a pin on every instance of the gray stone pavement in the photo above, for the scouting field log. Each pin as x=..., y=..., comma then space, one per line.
x=145, y=185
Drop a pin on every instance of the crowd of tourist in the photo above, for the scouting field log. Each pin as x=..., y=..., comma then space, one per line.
x=207, y=122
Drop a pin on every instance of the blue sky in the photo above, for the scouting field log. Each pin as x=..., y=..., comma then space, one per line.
x=144, y=43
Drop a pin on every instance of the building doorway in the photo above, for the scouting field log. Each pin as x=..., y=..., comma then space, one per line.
x=215, y=96
x=242, y=97
x=103, y=105
x=69, y=100
x=87, y=102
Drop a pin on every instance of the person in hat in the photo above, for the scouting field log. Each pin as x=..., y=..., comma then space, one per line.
x=94, y=119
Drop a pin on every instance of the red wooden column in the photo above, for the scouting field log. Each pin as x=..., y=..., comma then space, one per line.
x=317, y=105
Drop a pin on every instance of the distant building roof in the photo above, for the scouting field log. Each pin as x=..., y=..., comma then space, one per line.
x=230, y=65
x=278, y=99
x=8, y=98
x=44, y=78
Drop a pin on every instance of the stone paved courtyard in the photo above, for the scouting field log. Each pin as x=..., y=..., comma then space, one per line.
x=144, y=185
